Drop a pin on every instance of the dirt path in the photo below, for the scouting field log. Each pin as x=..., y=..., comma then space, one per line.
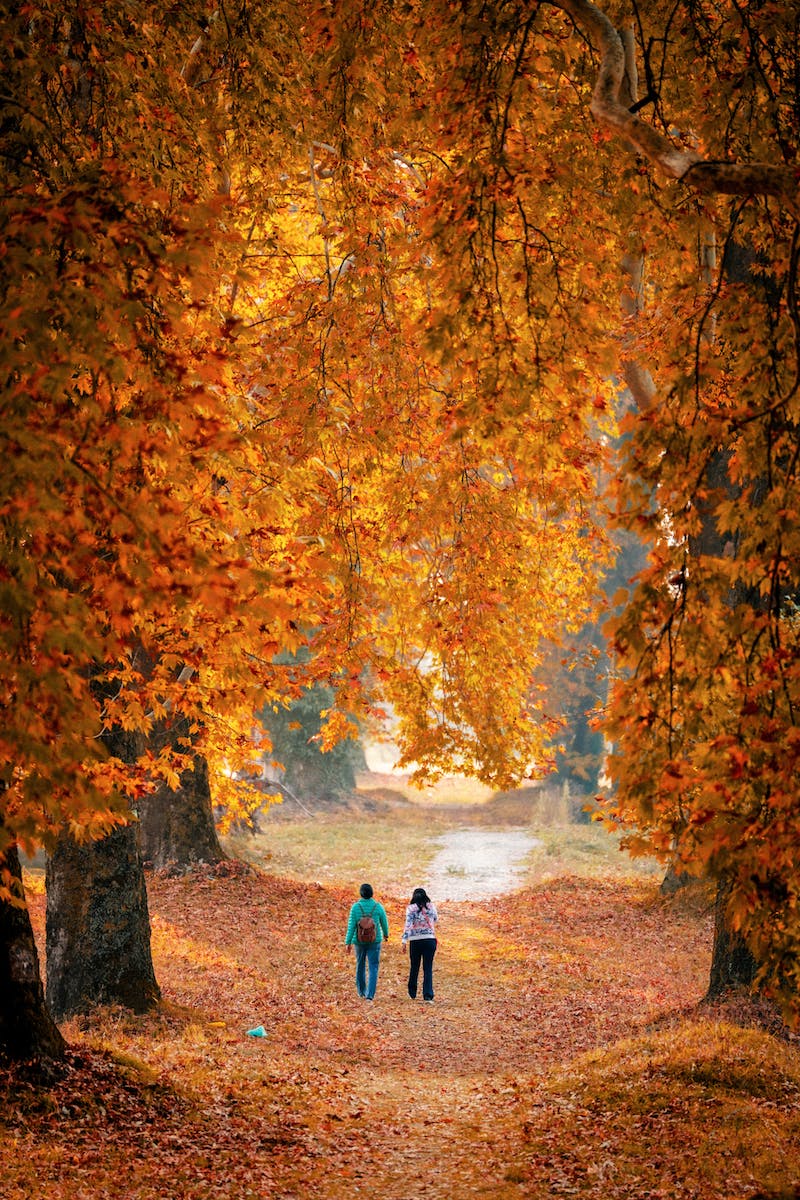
x=472, y=864
x=505, y=1088
x=439, y=1082
x=413, y=1099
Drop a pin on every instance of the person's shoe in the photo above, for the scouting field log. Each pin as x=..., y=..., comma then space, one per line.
x=429, y=1000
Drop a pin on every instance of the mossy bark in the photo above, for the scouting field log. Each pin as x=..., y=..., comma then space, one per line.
x=98, y=923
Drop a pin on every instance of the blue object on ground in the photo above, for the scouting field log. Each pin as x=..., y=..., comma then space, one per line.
x=259, y=1031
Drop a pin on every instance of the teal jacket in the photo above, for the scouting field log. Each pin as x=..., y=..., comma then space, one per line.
x=367, y=908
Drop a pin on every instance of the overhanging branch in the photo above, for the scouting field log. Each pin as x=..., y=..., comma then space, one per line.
x=677, y=162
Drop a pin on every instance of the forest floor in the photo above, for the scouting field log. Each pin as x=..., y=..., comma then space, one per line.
x=568, y=1053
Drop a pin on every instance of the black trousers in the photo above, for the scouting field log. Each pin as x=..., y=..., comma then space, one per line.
x=421, y=950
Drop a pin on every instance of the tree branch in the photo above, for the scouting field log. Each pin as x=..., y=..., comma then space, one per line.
x=677, y=162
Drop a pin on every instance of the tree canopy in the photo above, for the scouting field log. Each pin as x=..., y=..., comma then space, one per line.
x=318, y=325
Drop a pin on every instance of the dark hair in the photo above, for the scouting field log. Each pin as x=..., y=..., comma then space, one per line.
x=420, y=897
x=366, y=891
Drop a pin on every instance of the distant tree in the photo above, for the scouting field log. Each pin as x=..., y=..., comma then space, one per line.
x=308, y=770
x=579, y=685
x=176, y=820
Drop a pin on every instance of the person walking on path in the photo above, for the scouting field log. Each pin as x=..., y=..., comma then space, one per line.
x=367, y=928
x=419, y=937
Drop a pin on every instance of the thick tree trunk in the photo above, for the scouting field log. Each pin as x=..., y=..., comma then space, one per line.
x=27, y=1030
x=732, y=964
x=177, y=827
x=98, y=926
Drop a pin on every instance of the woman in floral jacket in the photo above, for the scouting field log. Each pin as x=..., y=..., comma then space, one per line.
x=419, y=937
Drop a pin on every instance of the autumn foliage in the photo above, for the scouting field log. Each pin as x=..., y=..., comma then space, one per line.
x=322, y=327
x=235, y=433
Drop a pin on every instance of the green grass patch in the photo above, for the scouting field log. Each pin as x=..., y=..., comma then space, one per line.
x=586, y=852
x=342, y=849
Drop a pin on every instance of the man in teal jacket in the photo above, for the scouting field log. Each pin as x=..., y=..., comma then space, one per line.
x=368, y=954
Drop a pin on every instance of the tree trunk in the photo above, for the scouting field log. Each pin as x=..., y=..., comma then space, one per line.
x=732, y=964
x=177, y=827
x=98, y=926
x=674, y=880
x=27, y=1030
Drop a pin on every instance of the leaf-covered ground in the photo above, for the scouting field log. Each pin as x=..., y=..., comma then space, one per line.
x=567, y=1054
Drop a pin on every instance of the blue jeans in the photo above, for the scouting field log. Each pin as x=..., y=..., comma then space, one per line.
x=369, y=954
x=421, y=950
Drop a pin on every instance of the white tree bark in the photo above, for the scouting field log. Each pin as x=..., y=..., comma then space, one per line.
x=677, y=162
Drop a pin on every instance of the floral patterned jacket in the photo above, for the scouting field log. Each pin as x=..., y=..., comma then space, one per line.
x=420, y=922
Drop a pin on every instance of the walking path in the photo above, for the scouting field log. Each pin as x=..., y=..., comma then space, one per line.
x=433, y=1100
x=475, y=863
x=561, y=1059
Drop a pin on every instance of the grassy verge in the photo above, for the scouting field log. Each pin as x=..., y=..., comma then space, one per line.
x=586, y=852
x=339, y=849
x=390, y=835
x=700, y=1108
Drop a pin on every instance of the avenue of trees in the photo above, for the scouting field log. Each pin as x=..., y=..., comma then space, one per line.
x=335, y=338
